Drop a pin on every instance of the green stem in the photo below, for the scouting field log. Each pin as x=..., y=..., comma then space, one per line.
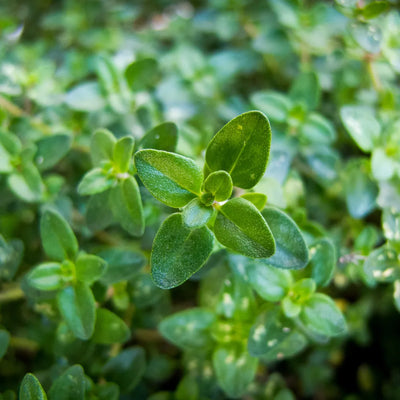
x=376, y=83
x=11, y=107
x=24, y=344
x=11, y=294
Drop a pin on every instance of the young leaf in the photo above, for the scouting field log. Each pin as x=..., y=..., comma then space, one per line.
x=77, y=306
x=235, y=369
x=126, y=206
x=51, y=149
x=109, y=328
x=26, y=183
x=196, y=214
x=71, y=385
x=162, y=137
x=240, y=227
x=178, y=251
x=291, y=249
x=271, y=283
x=46, y=276
x=122, y=153
x=258, y=199
x=219, y=184
x=31, y=389
x=170, y=178
x=102, y=146
x=58, y=239
x=95, y=181
x=4, y=342
x=89, y=268
x=241, y=148
x=189, y=329
x=127, y=368
x=321, y=315
x=323, y=261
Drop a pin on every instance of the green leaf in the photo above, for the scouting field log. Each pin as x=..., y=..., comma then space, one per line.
x=391, y=225
x=189, y=329
x=187, y=389
x=126, y=369
x=58, y=239
x=95, y=181
x=270, y=329
x=170, y=178
x=85, y=97
x=26, y=183
x=161, y=137
x=143, y=291
x=361, y=125
x=121, y=264
x=383, y=166
x=142, y=74
x=31, y=389
x=122, y=154
x=70, y=385
x=77, y=306
x=374, y=9
x=241, y=148
x=291, y=250
x=10, y=148
x=109, y=328
x=290, y=308
x=382, y=265
x=396, y=294
x=98, y=211
x=240, y=227
x=219, y=184
x=196, y=214
x=10, y=258
x=275, y=105
x=51, y=149
x=126, y=206
x=89, y=268
x=4, y=342
x=47, y=276
x=305, y=90
x=321, y=315
x=235, y=369
x=317, y=129
x=258, y=199
x=107, y=391
x=102, y=145
x=178, y=252
x=271, y=283
x=322, y=262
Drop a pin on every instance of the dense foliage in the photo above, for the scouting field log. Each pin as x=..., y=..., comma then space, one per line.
x=199, y=200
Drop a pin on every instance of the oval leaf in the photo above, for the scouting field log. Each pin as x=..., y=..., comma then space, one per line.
x=71, y=385
x=162, y=137
x=109, y=328
x=89, y=268
x=219, y=184
x=31, y=389
x=95, y=181
x=46, y=276
x=101, y=146
x=196, y=214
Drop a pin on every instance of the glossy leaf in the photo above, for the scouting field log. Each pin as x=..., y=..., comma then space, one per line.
x=235, y=369
x=109, y=328
x=240, y=227
x=170, y=178
x=102, y=146
x=58, y=239
x=161, y=137
x=31, y=389
x=122, y=153
x=89, y=268
x=219, y=184
x=196, y=214
x=126, y=206
x=47, y=276
x=178, y=252
x=241, y=148
x=189, y=329
x=77, y=307
x=95, y=181
x=322, y=316
x=71, y=385
x=291, y=250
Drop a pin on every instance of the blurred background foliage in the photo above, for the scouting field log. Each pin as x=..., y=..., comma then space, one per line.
x=327, y=76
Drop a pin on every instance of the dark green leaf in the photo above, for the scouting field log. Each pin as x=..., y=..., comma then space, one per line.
x=98, y=211
x=122, y=154
x=127, y=368
x=109, y=328
x=58, y=239
x=51, y=149
x=70, y=385
x=196, y=214
x=374, y=9
x=102, y=146
x=77, y=306
x=162, y=137
x=241, y=148
x=4, y=342
x=126, y=206
x=95, y=181
x=291, y=250
x=240, y=227
x=322, y=262
x=189, y=329
x=170, y=178
x=219, y=184
x=178, y=252
x=31, y=389
x=89, y=268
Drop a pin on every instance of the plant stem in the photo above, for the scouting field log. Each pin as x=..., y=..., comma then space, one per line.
x=376, y=83
x=11, y=294
x=24, y=344
x=11, y=107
